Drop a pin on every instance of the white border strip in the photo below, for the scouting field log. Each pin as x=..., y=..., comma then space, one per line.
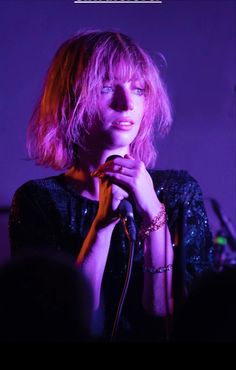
x=118, y=2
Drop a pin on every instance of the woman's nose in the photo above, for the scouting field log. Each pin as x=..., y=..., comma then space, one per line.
x=122, y=100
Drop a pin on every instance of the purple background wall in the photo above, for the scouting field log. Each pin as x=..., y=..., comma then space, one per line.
x=198, y=40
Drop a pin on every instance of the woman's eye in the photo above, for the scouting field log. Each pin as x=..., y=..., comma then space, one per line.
x=107, y=89
x=139, y=91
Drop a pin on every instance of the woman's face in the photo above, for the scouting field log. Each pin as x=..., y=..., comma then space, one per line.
x=121, y=107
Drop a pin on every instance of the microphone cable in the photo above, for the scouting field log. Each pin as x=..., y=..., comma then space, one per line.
x=131, y=235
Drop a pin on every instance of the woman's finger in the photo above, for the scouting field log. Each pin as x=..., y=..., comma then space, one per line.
x=116, y=163
x=128, y=156
x=118, y=192
x=123, y=181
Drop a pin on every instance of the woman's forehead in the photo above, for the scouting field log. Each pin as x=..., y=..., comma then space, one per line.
x=116, y=79
x=124, y=68
x=124, y=74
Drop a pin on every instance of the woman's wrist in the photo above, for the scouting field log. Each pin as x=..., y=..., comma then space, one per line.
x=149, y=213
x=153, y=222
x=100, y=226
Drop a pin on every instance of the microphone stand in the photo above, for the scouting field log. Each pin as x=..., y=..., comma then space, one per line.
x=229, y=231
x=224, y=240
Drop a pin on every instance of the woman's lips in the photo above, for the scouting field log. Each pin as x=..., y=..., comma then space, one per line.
x=123, y=125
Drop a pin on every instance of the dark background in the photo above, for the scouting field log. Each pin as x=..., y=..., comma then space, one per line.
x=198, y=42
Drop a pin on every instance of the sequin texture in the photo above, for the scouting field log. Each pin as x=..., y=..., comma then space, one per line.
x=50, y=213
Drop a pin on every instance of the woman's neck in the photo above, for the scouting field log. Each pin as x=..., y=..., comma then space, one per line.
x=83, y=182
x=79, y=176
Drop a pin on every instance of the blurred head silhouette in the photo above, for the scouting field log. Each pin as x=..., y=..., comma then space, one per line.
x=43, y=298
x=209, y=313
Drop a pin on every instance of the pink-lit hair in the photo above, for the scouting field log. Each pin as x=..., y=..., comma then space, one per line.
x=65, y=113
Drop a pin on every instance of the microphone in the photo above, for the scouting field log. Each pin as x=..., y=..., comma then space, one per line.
x=125, y=211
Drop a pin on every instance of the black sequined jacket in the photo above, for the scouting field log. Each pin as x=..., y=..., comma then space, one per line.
x=49, y=213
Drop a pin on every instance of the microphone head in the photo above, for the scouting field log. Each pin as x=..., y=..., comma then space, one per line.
x=126, y=209
x=111, y=157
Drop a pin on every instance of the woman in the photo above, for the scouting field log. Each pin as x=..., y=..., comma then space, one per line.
x=102, y=96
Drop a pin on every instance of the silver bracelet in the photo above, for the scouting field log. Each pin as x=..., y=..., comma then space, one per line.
x=156, y=270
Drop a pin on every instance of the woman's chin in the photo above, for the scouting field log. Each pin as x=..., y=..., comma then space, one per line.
x=124, y=139
x=120, y=143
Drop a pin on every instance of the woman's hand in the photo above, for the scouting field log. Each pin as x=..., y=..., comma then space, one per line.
x=110, y=196
x=132, y=176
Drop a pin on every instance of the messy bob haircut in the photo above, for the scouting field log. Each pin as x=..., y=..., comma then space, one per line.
x=64, y=115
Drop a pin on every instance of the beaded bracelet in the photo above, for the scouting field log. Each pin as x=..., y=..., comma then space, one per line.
x=155, y=270
x=159, y=220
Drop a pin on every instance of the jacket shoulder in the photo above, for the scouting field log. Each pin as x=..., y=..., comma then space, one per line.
x=38, y=185
x=172, y=176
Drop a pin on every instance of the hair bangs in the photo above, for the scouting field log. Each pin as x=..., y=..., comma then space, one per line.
x=124, y=66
